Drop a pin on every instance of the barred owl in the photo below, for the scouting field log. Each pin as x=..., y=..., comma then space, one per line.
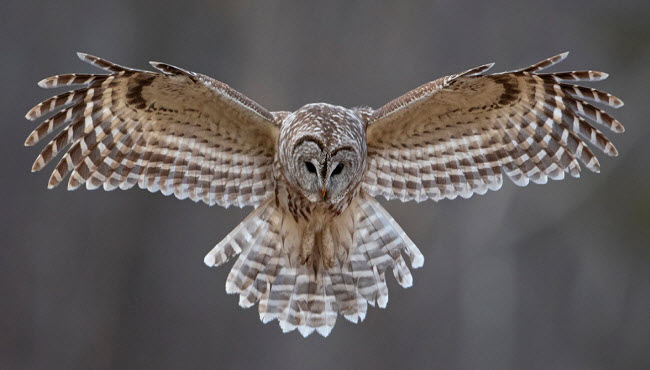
x=317, y=243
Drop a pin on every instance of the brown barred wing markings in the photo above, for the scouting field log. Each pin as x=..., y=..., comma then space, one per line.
x=177, y=131
x=461, y=131
x=182, y=133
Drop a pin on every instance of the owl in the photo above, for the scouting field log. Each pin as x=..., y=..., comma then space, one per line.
x=317, y=243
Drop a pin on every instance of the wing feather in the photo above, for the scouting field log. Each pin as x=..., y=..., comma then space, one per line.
x=176, y=131
x=455, y=135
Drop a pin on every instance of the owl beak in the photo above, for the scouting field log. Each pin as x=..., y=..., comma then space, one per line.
x=324, y=192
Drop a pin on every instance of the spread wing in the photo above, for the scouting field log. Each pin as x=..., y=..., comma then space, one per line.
x=458, y=134
x=177, y=131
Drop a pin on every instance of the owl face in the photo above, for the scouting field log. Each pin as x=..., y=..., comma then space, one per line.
x=323, y=151
x=324, y=175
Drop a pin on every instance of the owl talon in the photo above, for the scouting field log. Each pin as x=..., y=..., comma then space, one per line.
x=328, y=263
x=305, y=260
x=327, y=248
x=307, y=249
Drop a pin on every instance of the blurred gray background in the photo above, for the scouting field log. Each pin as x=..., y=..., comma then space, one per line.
x=543, y=277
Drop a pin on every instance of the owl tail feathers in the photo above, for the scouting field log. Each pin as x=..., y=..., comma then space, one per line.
x=368, y=242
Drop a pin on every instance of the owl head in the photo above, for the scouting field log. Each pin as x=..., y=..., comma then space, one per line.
x=323, y=151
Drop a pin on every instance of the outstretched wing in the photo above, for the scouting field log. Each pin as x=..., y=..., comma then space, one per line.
x=177, y=131
x=456, y=135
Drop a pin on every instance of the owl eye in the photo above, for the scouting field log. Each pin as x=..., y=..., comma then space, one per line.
x=337, y=169
x=310, y=167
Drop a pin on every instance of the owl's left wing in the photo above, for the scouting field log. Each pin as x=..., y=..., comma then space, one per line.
x=456, y=135
x=176, y=131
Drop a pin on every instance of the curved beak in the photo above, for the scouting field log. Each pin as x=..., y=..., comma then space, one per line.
x=324, y=192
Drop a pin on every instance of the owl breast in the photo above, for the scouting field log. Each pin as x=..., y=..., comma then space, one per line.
x=317, y=226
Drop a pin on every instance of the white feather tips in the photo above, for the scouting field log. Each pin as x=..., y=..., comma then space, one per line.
x=301, y=297
x=209, y=260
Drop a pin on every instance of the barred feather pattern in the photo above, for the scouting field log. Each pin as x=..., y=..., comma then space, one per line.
x=316, y=245
x=177, y=132
x=267, y=271
x=458, y=134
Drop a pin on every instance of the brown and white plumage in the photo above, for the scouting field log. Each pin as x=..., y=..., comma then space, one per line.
x=318, y=243
x=178, y=132
x=455, y=135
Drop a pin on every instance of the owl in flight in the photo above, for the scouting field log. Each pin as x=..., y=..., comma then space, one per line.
x=318, y=243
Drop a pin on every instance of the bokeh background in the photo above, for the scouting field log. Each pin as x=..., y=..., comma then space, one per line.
x=543, y=277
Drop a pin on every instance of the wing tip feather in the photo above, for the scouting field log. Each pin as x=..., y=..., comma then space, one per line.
x=156, y=65
x=165, y=68
x=611, y=150
x=31, y=115
x=478, y=70
x=594, y=165
x=32, y=139
x=83, y=56
x=38, y=164
x=43, y=83
x=55, y=180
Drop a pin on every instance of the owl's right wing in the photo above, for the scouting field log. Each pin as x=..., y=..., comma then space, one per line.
x=456, y=135
x=177, y=131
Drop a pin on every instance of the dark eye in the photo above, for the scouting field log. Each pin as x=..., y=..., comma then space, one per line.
x=310, y=167
x=337, y=169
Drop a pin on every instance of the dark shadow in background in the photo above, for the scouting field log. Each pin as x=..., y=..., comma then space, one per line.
x=553, y=276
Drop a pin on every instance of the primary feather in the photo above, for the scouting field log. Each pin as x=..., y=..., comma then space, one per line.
x=458, y=134
x=178, y=132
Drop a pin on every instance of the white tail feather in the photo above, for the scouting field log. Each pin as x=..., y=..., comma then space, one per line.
x=368, y=242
